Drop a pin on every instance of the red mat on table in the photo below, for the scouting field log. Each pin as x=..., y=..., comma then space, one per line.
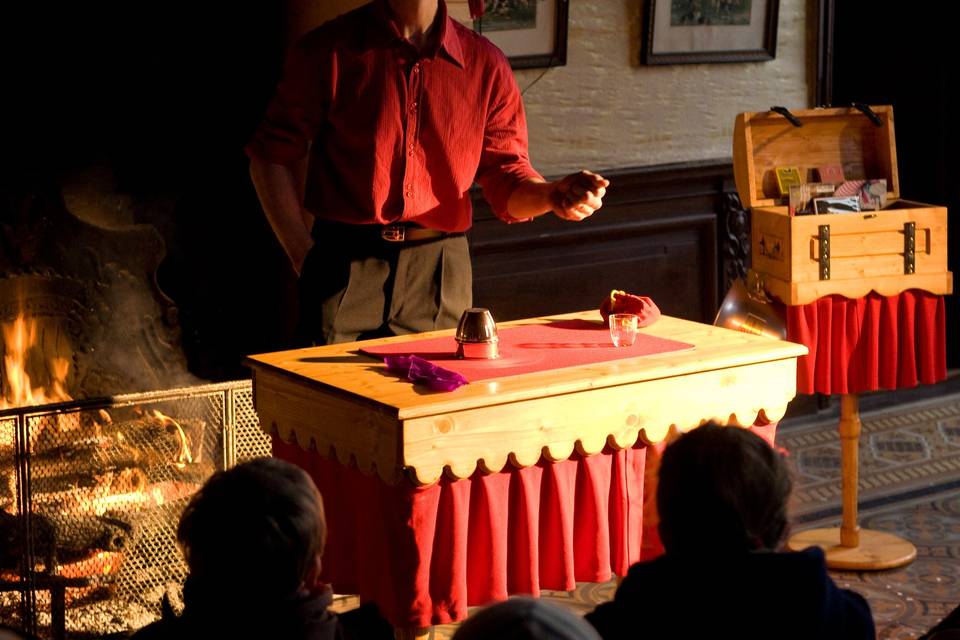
x=531, y=348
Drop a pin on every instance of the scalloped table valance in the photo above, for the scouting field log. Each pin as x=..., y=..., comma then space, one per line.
x=344, y=404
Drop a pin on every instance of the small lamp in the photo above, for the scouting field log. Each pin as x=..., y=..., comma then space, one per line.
x=747, y=308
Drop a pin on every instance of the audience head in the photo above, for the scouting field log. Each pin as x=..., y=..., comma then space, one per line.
x=722, y=490
x=257, y=528
x=11, y=633
x=525, y=619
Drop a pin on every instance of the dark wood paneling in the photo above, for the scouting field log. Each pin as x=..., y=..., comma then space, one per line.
x=656, y=235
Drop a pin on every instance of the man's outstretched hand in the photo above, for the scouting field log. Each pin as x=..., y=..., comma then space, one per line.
x=578, y=195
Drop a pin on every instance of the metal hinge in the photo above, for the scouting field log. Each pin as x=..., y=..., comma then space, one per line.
x=909, y=247
x=824, y=239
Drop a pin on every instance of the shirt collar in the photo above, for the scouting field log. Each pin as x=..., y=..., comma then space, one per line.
x=447, y=39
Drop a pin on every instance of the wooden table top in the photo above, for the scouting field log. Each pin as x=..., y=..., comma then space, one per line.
x=345, y=402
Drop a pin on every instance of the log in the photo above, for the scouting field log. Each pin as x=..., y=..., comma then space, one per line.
x=119, y=481
x=97, y=500
x=82, y=457
x=61, y=538
x=89, y=482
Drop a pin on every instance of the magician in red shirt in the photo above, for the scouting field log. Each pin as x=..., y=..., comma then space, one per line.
x=381, y=123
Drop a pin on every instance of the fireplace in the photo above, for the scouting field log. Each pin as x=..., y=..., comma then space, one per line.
x=131, y=235
x=90, y=498
x=94, y=472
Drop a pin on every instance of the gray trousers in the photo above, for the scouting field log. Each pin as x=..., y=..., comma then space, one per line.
x=354, y=285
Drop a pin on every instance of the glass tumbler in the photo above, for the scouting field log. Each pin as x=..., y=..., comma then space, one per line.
x=623, y=329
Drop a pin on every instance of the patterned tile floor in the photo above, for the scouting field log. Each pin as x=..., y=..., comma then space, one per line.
x=908, y=601
x=909, y=485
x=905, y=450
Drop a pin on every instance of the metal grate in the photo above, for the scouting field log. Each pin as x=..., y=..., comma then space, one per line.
x=250, y=443
x=90, y=496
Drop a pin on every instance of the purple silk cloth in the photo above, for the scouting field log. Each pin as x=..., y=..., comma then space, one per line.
x=420, y=371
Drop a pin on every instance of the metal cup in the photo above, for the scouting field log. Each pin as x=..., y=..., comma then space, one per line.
x=477, y=335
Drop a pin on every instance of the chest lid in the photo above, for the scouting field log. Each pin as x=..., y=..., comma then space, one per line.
x=864, y=146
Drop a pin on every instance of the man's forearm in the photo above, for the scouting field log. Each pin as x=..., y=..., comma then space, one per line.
x=278, y=188
x=530, y=199
x=574, y=197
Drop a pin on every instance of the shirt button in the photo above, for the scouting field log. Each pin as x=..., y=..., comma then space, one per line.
x=416, y=68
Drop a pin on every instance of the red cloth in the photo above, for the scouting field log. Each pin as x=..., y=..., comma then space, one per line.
x=424, y=554
x=869, y=343
x=643, y=307
x=397, y=133
x=529, y=348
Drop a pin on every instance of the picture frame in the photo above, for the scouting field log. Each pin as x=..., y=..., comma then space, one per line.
x=532, y=33
x=699, y=31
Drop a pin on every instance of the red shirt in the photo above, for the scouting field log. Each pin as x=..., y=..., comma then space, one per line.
x=393, y=133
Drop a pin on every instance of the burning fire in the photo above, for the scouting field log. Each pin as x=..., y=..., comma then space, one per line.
x=102, y=562
x=184, y=456
x=90, y=474
x=22, y=338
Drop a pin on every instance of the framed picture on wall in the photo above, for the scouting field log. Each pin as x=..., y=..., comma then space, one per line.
x=533, y=33
x=691, y=31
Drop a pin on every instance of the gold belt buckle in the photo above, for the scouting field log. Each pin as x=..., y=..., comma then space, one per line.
x=393, y=233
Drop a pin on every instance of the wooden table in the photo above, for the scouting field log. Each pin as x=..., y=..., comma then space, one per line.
x=334, y=399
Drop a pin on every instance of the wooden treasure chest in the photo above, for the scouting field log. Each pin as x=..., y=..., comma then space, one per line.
x=897, y=245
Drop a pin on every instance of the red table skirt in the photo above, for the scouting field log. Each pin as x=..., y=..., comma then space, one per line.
x=424, y=554
x=870, y=343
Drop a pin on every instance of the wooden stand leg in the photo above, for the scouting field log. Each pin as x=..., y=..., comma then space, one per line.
x=849, y=468
x=849, y=547
x=413, y=634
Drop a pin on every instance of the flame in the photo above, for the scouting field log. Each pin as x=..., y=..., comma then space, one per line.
x=102, y=562
x=21, y=339
x=184, y=456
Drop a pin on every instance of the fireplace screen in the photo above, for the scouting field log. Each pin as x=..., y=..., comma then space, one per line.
x=90, y=495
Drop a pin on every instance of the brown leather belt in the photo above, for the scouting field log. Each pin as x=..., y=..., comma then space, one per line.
x=393, y=233
x=400, y=232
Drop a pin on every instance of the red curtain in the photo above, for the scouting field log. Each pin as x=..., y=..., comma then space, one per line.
x=869, y=343
x=424, y=554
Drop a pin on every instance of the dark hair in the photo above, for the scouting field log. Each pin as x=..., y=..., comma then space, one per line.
x=722, y=490
x=258, y=527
